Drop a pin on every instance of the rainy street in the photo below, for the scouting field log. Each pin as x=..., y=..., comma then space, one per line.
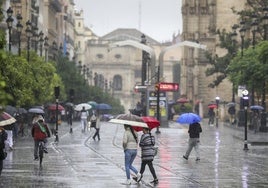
x=79, y=161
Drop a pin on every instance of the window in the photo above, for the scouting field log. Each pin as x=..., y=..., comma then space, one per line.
x=117, y=83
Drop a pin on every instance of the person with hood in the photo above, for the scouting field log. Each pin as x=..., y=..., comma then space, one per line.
x=147, y=143
x=40, y=132
x=130, y=144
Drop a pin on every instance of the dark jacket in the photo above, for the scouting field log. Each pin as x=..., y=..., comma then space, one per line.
x=194, y=130
x=147, y=143
x=3, y=137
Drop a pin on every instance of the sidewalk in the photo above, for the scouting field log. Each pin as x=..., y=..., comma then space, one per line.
x=77, y=161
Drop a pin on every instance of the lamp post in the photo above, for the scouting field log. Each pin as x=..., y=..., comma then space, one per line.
x=233, y=37
x=217, y=99
x=9, y=22
x=245, y=105
x=19, y=29
x=143, y=75
x=29, y=35
x=35, y=38
x=254, y=28
x=41, y=41
x=46, y=45
x=241, y=117
x=57, y=94
x=158, y=116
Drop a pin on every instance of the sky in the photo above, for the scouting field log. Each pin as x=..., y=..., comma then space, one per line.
x=159, y=19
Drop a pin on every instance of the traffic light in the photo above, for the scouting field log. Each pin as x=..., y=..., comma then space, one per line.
x=57, y=91
x=71, y=92
x=156, y=87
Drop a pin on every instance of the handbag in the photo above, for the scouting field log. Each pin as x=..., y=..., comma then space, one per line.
x=155, y=148
x=3, y=154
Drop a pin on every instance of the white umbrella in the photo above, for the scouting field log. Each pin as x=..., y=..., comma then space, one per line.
x=79, y=107
x=129, y=119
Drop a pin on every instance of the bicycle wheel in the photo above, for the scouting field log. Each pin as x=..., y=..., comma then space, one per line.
x=41, y=152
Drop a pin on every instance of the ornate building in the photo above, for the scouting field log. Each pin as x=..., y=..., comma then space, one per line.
x=201, y=20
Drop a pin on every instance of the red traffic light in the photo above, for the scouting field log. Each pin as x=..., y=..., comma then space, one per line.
x=164, y=86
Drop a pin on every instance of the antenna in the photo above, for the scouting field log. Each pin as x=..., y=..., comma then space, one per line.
x=139, y=15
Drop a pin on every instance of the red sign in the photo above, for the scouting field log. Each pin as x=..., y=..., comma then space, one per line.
x=164, y=86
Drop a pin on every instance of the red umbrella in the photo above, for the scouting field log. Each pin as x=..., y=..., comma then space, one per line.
x=150, y=121
x=212, y=106
x=6, y=119
x=53, y=107
x=182, y=100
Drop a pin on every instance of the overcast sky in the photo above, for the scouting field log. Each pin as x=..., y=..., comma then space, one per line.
x=158, y=19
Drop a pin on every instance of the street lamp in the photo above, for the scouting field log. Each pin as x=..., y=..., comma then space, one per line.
x=9, y=22
x=143, y=74
x=41, y=40
x=245, y=105
x=233, y=37
x=217, y=99
x=46, y=45
x=57, y=94
x=29, y=35
x=35, y=38
x=19, y=30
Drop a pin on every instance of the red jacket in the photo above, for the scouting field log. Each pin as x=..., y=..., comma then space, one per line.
x=37, y=133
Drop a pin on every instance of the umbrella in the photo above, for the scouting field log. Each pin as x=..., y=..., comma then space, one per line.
x=36, y=110
x=212, y=106
x=93, y=104
x=182, y=100
x=230, y=104
x=150, y=121
x=129, y=119
x=69, y=104
x=79, y=107
x=22, y=111
x=10, y=109
x=188, y=118
x=6, y=119
x=53, y=107
x=103, y=106
x=256, y=107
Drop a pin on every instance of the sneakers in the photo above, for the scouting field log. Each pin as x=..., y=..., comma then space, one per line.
x=128, y=182
x=155, y=181
x=45, y=150
x=197, y=159
x=36, y=158
x=186, y=158
x=138, y=178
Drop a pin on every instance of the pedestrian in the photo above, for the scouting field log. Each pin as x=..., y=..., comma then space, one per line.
x=231, y=112
x=52, y=123
x=3, y=137
x=130, y=144
x=9, y=141
x=211, y=116
x=147, y=143
x=40, y=132
x=96, y=120
x=83, y=119
x=193, y=142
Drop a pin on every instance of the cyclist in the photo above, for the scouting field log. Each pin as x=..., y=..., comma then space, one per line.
x=40, y=132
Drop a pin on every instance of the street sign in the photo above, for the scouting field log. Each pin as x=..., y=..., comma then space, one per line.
x=165, y=86
x=140, y=88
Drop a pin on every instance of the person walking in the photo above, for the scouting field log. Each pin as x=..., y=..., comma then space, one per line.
x=83, y=119
x=211, y=116
x=3, y=138
x=231, y=112
x=194, y=134
x=147, y=143
x=97, y=125
x=40, y=132
x=130, y=144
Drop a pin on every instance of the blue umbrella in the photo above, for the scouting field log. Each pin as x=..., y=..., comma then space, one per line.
x=188, y=118
x=103, y=106
x=256, y=107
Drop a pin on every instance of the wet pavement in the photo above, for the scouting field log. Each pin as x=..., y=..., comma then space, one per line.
x=79, y=161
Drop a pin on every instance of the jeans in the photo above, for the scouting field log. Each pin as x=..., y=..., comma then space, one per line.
x=130, y=155
x=83, y=124
x=193, y=142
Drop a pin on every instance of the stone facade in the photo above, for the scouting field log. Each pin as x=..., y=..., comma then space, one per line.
x=201, y=20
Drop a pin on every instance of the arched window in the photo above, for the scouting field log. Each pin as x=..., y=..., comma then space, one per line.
x=117, y=83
